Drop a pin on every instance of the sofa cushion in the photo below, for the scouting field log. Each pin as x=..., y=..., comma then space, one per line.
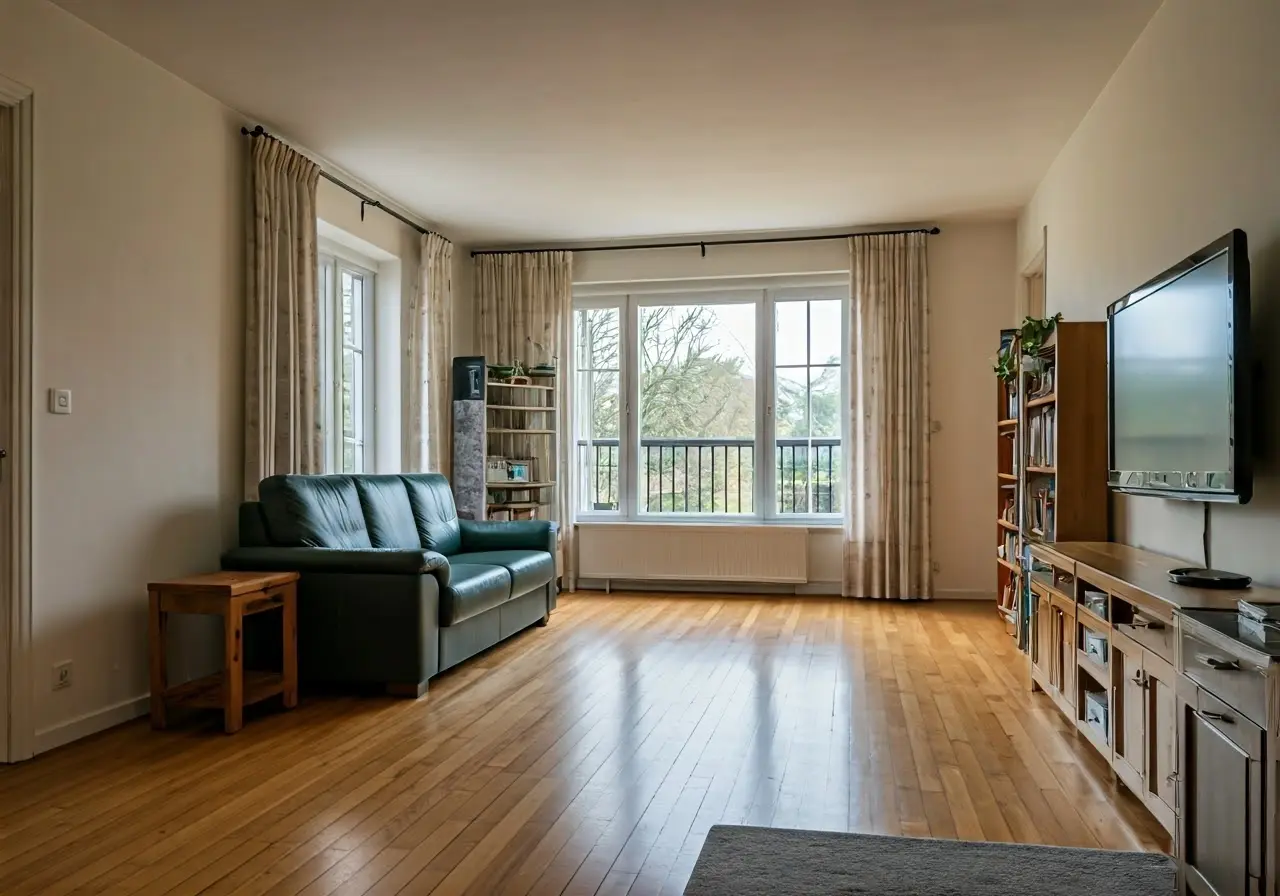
x=528, y=569
x=313, y=512
x=434, y=512
x=472, y=589
x=387, y=514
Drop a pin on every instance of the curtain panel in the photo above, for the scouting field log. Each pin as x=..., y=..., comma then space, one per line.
x=524, y=305
x=428, y=349
x=886, y=529
x=283, y=420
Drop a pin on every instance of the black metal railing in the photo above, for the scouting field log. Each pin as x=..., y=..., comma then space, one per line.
x=713, y=475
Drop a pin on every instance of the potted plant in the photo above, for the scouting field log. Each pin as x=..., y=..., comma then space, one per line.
x=1023, y=352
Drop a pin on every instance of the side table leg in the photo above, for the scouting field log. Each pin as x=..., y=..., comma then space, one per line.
x=159, y=667
x=233, y=667
x=290, y=626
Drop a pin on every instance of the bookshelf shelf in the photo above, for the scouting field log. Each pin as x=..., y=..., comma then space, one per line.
x=1005, y=524
x=1042, y=401
x=1047, y=471
x=1010, y=421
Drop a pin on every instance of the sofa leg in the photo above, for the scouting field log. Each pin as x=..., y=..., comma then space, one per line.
x=542, y=623
x=412, y=690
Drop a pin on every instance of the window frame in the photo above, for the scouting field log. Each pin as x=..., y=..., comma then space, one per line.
x=765, y=294
x=334, y=259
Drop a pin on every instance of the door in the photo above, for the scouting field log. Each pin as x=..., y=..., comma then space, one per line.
x=1222, y=811
x=1130, y=710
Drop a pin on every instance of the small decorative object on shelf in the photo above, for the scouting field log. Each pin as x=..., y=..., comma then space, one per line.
x=518, y=470
x=495, y=469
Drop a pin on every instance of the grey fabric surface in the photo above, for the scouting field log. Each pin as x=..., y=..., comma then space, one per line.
x=748, y=861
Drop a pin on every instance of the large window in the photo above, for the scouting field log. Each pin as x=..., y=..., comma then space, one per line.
x=717, y=403
x=346, y=302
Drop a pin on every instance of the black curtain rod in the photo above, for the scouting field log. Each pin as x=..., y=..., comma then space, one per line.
x=702, y=244
x=260, y=131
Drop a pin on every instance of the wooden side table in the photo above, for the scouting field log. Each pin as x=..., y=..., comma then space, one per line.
x=233, y=596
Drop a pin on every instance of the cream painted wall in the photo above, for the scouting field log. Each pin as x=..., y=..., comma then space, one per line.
x=1180, y=147
x=138, y=279
x=971, y=298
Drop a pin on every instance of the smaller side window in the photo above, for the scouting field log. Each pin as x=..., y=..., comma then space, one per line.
x=346, y=299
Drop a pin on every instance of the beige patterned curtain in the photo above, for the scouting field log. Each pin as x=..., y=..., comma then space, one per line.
x=282, y=407
x=886, y=528
x=525, y=307
x=428, y=347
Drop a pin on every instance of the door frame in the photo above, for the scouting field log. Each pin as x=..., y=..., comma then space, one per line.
x=17, y=733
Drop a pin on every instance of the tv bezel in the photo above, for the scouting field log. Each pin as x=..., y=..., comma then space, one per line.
x=1197, y=485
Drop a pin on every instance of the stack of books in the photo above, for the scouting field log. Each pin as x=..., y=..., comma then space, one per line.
x=1259, y=622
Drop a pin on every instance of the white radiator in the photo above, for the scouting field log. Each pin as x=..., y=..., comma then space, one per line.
x=692, y=553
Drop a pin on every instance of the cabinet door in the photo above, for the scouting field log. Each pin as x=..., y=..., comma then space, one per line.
x=1054, y=646
x=1129, y=719
x=1221, y=818
x=1162, y=737
x=1067, y=645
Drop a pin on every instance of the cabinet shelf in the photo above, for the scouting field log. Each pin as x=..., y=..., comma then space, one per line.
x=527, y=432
x=492, y=384
x=509, y=486
x=519, y=407
x=516, y=505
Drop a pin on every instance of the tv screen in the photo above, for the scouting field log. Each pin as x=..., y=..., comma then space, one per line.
x=1178, y=346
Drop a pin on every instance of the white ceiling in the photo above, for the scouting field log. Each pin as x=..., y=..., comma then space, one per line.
x=515, y=121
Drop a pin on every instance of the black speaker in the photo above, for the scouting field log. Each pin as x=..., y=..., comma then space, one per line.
x=468, y=378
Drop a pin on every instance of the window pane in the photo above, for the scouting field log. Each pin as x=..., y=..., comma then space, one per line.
x=598, y=397
x=791, y=403
x=808, y=413
x=348, y=315
x=825, y=336
x=348, y=456
x=824, y=402
x=697, y=408
x=790, y=326
x=828, y=474
x=347, y=394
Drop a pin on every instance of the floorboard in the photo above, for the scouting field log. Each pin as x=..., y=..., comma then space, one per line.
x=588, y=757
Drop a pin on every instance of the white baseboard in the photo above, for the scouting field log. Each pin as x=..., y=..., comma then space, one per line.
x=91, y=723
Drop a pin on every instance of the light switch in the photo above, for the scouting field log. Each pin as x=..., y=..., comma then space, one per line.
x=59, y=401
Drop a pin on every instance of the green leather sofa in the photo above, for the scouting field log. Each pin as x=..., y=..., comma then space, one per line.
x=395, y=588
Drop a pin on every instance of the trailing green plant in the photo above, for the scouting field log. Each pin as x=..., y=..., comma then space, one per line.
x=1030, y=338
x=1035, y=332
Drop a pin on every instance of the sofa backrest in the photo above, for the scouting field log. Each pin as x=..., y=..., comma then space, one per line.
x=387, y=514
x=313, y=511
x=406, y=512
x=434, y=512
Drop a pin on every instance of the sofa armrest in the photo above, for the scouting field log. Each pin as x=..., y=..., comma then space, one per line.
x=521, y=535
x=332, y=560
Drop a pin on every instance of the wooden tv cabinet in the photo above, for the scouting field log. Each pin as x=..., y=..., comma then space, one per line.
x=1187, y=717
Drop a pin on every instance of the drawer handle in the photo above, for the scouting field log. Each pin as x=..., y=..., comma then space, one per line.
x=1218, y=717
x=1221, y=665
x=1171, y=778
x=1140, y=680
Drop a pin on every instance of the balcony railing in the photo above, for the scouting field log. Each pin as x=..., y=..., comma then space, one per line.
x=713, y=475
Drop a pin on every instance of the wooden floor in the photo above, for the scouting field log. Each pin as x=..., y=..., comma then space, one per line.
x=587, y=757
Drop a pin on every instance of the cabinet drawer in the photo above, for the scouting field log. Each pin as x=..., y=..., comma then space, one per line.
x=1237, y=682
x=1152, y=633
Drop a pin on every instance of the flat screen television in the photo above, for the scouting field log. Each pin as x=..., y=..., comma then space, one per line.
x=1178, y=380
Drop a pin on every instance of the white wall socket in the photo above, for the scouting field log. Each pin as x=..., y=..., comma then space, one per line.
x=59, y=401
x=62, y=675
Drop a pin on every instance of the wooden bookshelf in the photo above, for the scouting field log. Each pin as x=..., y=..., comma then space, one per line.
x=520, y=425
x=1051, y=457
